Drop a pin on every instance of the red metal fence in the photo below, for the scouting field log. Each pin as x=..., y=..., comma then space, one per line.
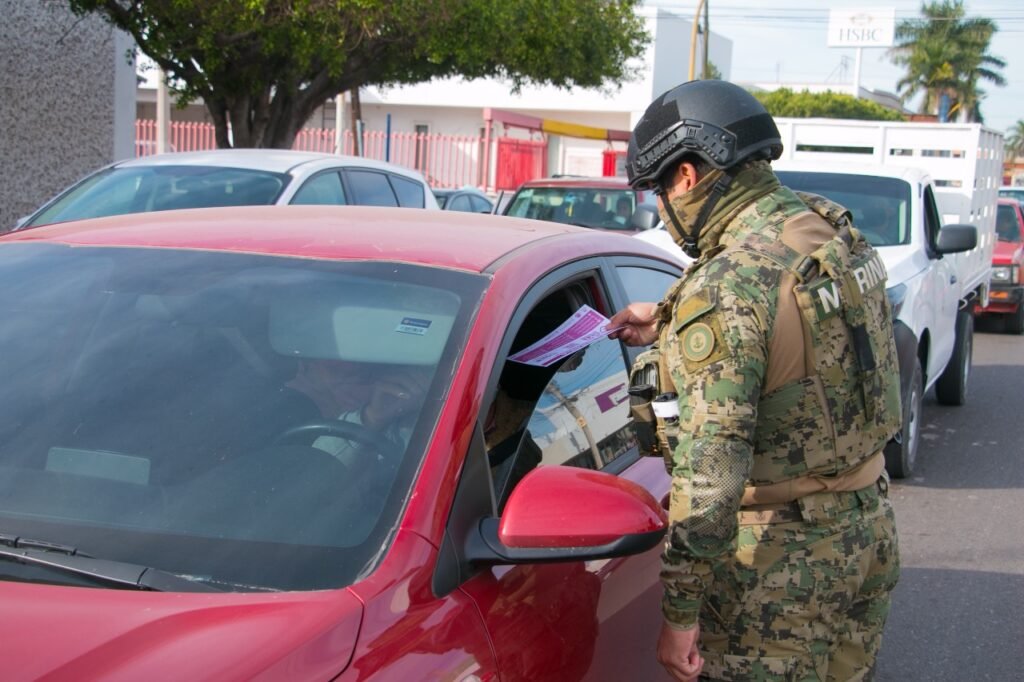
x=184, y=137
x=444, y=160
x=519, y=161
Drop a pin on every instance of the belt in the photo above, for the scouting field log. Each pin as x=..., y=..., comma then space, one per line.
x=762, y=514
x=812, y=507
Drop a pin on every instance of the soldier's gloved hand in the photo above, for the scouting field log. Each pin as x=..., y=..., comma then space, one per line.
x=638, y=324
x=678, y=652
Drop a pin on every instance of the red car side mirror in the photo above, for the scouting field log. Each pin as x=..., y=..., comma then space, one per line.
x=561, y=513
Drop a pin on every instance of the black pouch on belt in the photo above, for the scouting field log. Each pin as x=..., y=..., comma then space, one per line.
x=643, y=387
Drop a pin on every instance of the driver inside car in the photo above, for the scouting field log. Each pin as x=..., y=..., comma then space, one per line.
x=384, y=399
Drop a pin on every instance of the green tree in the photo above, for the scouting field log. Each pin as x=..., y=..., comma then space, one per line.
x=1015, y=141
x=785, y=102
x=945, y=53
x=264, y=66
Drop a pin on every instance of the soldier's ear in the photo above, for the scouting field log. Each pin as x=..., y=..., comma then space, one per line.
x=685, y=177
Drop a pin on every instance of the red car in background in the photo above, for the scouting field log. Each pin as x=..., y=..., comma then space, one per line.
x=605, y=203
x=1006, y=299
x=288, y=443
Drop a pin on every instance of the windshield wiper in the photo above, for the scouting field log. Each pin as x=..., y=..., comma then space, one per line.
x=119, y=574
x=29, y=543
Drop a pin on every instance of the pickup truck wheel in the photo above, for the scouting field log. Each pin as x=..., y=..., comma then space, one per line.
x=951, y=388
x=1015, y=320
x=901, y=451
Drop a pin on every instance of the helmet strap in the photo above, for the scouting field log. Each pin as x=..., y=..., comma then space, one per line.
x=691, y=237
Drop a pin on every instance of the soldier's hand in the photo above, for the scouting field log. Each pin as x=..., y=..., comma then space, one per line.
x=638, y=324
x=678, y=652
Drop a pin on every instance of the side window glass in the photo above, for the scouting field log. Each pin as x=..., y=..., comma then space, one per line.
x=323, y=190
x=410, y=194
x=575, y=413
x=582, y=417
x=459, y=202
x=644, y=284
x=480, y=205
x=370, y=188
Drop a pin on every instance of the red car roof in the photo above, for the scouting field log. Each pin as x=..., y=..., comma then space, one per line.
x=612, y=182
x=464, y=241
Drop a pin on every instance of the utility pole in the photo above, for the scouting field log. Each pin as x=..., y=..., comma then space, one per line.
x=693, y=38
x=339, y=123
x=707, y=41
x=163, y=114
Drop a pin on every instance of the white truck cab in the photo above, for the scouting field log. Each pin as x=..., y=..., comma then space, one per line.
x=924, y=194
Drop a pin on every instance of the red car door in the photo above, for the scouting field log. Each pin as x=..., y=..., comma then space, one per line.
x=595, y=620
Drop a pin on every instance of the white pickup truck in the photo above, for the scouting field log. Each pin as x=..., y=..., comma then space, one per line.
x=924, y=194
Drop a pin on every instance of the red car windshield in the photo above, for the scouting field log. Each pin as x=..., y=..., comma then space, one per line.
x=1007, y=228
x=607, y=209
x=248, y=422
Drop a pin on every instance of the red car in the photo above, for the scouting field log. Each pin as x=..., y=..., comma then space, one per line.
x=1006, y=299
x=606, y=203
x=287, y=443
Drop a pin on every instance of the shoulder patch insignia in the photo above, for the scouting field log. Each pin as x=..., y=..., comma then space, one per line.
x=698, y=342
x=695, y=305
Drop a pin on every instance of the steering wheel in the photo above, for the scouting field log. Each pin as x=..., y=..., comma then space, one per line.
x=350, y=431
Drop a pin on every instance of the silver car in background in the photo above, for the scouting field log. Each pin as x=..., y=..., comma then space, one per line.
x=234, y=177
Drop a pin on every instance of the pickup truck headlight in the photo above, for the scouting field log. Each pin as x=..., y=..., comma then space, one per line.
x=1004, y=274
x=897, y=295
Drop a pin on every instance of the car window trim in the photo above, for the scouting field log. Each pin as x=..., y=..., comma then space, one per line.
x=468, y=504
x=474, y=497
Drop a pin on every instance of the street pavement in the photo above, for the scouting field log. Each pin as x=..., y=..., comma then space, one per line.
x=958, y=611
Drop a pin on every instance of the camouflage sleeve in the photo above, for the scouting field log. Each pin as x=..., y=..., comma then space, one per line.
x=716, y=353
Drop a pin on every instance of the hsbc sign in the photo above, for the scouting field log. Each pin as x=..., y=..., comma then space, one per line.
x=861, y=27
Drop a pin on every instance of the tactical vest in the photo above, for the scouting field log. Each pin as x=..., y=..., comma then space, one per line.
x=848, y=407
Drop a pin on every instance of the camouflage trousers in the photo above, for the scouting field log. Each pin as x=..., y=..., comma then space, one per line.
x=805, y=599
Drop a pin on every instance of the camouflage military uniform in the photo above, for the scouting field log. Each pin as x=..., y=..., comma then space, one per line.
x=782, y=541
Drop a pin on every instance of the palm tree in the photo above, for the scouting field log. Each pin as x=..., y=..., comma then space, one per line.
x=946, y=55
x=1015, y=141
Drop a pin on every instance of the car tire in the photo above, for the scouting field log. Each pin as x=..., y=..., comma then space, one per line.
x=951, y=388
x=901, y=451
x=1014, y=322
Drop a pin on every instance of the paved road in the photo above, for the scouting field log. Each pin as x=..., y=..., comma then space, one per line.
x=958, y=612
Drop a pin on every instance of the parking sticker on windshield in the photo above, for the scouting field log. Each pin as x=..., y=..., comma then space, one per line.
x=413, y=325
x=583, y=328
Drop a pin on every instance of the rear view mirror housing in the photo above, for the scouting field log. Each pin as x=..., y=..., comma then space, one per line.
x=559, y=513
x=956, y=238
x=644, y=218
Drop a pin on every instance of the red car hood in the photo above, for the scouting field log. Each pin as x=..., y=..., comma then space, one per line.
x=66, y=633
x=1004, y=252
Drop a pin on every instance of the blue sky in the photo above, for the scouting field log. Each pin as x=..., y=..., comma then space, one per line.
x=787, y=37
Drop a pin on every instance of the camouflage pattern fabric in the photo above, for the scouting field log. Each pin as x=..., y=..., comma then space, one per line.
x=761, y=592
x=804, y=601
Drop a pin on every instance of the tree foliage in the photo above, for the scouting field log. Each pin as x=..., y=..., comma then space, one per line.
x=1015, y=141
x=785, y=102
x=264, y=66
x=945, y=53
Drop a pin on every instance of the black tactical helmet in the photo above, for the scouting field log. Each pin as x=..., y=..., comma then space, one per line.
x=720, y=122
